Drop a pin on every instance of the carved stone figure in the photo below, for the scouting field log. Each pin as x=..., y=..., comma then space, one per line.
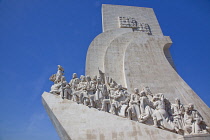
x=101, y=92
x=193, y=121
x=55, y=88
x=124, y=106
x=80, y=90
x=160, y=116
x=88, y=97
x=116, y=98
x=168, y=107
x=67, y=92
x=178, y=115
x=63, y=83
x=106, y=103
x=59, y=74
x=147, y=92
x=101, y=76
x=56, y=78
x=143, y=106
x=146, y=110
x=94, y=79
x=124, y=103
x=52, y=77
x=74, y=82
x=133, y=109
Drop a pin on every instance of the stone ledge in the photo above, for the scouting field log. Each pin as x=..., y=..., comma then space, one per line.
x=196, y=137
x=78, y=122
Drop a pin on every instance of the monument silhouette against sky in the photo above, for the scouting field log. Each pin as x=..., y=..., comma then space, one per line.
x=131, y=89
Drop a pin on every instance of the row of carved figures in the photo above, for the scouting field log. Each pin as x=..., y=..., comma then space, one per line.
x=104, y=94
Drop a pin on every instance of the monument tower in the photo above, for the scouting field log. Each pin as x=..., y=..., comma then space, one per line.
x=133, y=52
x=137, y=57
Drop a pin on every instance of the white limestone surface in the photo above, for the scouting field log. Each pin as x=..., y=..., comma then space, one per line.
x=145, y=64
x=110, y=14
x=135, y=59
x=196, y=137
x=97, y=49
x=78, y=122
x=114, y=57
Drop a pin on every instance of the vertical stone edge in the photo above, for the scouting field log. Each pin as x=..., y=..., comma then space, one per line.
x=60, y=130
x=102, y=13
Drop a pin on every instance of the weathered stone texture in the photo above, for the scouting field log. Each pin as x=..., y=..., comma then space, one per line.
x=96, y=51
x=196, y=137
x=59, y=128
x=78, y=122
x=110, y=14
x=136, y=59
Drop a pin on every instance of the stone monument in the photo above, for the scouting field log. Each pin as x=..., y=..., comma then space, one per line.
x=129, y=88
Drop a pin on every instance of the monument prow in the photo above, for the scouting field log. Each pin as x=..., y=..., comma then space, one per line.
x=78, y=122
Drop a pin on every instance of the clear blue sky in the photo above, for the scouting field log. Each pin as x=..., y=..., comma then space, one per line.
x=37, y=35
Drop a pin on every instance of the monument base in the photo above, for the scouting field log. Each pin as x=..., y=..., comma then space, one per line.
x=196, y=137
x=78, y=122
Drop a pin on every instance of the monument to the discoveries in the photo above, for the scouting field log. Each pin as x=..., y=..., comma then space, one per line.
x=130, y=86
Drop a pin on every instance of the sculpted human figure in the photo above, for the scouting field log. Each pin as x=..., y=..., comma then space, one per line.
x=115, y=106
x=102, y=76
x=168, y=107
x=159, y=115
x=78, y=94
x=56, y=78
x=106, y=103
x=98, y=95
x=67, y=92
x=193, y=121
x=59, y=74
x=188, y=121
x=74, y=82
x=133, y=109
x=112, y=88
x=141, y=106
x=146, y=110
x=57, y=88
x=94, y=79
x=125, y=105
x=101, y=92
x=90, y=88
x=148, y=92
x=178, y=116
x=63, y=84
